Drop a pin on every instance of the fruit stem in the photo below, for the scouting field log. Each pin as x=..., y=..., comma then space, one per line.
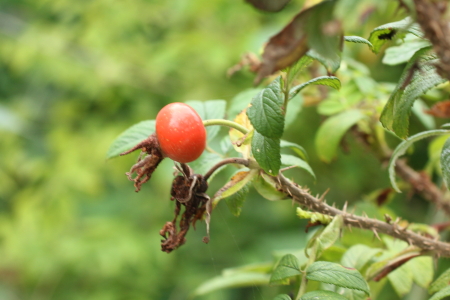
x=227, y=123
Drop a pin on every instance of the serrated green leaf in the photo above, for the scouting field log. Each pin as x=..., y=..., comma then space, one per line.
x=401, y=54
x=424, y=277
x=331, y=64
x=331, y=132
x=266, y=112
x=236, y=280
x=358, y=39
x=440, y=283
x=205, y=162
x=236, y=201
x=384, y=33
x=290, y=160
x=266, y=151
x=267, y=188
x=401, y=279
x=240, y=102
x=294, y=108
x=445, y=162
x=338, y=275
x=330, y=81
x=130, y=137
x=286, y=268
x=207, y=110
x=322, y=295
x=445, y=292
x=403, y=146
x=299, y=150
x=358, y=256
x=295, y=69
x=418, y=77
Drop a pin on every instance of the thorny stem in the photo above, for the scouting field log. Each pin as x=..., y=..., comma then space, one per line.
x=227, y=123
x=233, y=160
x=303, y=198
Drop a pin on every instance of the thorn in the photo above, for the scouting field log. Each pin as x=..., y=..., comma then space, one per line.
x=376, y=234
x=324, y=194
x=287, y=168
x=349, y=227
x=365, y=215
x=344, y=209
x=289, y=192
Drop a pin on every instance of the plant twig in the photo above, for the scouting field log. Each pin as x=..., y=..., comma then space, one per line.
x=393, y=229
x=233, y=160
x=431, y=15
x=422, y=184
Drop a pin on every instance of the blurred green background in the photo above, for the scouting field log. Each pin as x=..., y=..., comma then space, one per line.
x=73, y=76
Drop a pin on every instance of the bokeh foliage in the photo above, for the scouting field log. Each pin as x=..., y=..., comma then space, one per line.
x=74, y=75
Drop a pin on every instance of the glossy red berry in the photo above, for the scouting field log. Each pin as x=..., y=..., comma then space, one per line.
x=180, y=132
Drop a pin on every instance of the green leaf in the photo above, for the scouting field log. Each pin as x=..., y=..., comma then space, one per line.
x=384, y=33
x=286, y=268
x=282, y=297
x=299, y=150
x=418, y=77
x=358, y=39
x=445, y=162
x=290, y=160
x=445, y=292
x=440, y=283
x=403, y=146
x=235, y=190
x=261, y=267
x=240, y=102
x=330, y=81
x=326, y=45
x=327, y=237
x=294, y=107
x=403, y=53
x=336, y=274
x=295, y=69
x=267, y=153
x=267, y=188
x=266, y=112
x=130, y=137
x=358, y=256
x=236, y=280
x=322, y=295
x=424, y=277
x=332, y=63
x=401, y=279
x=207, y=110
x=331, y=132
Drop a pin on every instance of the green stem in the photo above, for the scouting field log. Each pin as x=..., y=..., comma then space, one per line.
x=227, y=123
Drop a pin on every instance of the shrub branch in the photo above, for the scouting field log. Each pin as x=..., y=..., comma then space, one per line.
x=303, y=198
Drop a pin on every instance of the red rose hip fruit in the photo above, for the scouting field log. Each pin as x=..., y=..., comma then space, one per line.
x=180, y=132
